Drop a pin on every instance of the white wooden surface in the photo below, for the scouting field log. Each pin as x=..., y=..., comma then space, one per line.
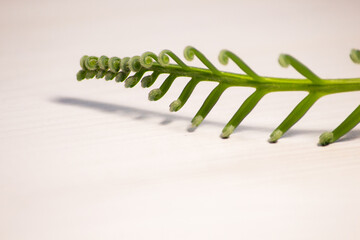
x=93, y=160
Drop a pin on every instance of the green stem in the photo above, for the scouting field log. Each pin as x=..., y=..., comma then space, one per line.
x=131, y=81
x=184, y=96
x=189, y=53
x=208, y=104
x=148, y=81
x=298, y=112
x=243, y=111
x=158, y=93
x=223, y=58
x=327, y=86
x=286, y=60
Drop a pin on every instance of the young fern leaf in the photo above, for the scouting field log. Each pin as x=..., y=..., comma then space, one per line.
x=120, y=69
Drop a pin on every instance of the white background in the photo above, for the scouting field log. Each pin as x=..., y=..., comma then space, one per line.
x=93, y=160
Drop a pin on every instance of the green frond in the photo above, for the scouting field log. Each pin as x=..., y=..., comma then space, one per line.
x=149, y=66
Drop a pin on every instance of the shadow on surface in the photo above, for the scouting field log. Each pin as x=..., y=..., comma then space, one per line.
x=136, y=113
x=167, y=118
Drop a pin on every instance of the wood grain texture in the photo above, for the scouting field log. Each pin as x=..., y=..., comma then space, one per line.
x=93, y=160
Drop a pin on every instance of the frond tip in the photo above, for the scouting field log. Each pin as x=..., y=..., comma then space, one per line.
x=175, y=106
x=147, y=59
x=355, y=55
x=196, y=121
x=134, y=64
x=155, y=94
x=275, y=135
x=326, y=138
x=227, y=131
x=147, y=68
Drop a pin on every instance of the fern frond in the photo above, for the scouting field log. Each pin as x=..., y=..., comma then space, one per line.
x=149, y=62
